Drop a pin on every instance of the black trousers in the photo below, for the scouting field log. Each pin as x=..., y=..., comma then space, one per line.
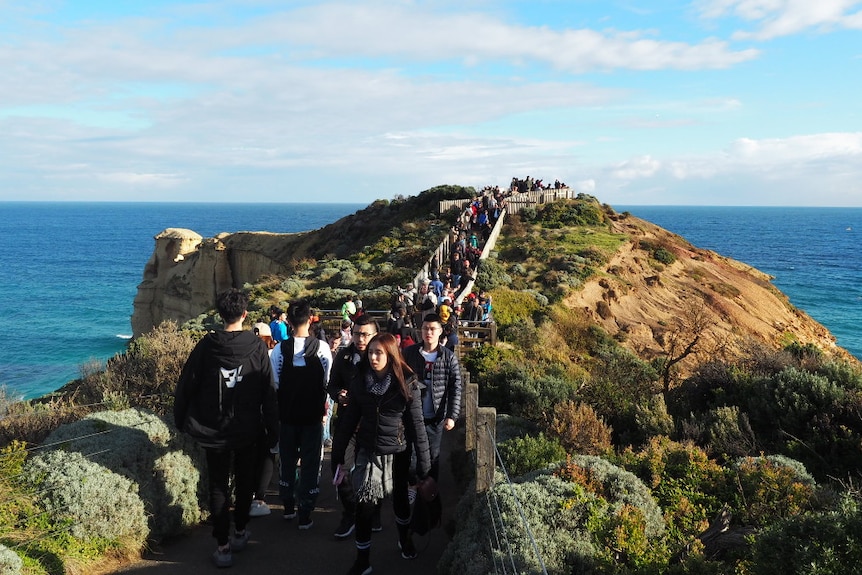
x=219, y=464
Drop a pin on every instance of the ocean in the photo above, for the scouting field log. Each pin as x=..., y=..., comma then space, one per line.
x=71, y=270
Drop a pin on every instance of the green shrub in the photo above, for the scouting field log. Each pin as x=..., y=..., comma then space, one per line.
x=525, y=454
x=87, y=499
x=821, y=543
x=147, y=372
x=513, y=307
x=10, y=563
x=664, y=256
x=690, y=487
x=772, y=487
x=166, y=466
x=492, y=275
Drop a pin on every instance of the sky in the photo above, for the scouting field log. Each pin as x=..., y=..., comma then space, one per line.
x=705, y=102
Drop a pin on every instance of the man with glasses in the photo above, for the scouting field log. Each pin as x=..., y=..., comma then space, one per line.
x=438, y=368
x=345, y=366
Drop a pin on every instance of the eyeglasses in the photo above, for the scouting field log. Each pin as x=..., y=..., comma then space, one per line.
x=364, y=334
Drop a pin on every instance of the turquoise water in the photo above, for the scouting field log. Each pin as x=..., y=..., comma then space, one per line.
x=71, y=270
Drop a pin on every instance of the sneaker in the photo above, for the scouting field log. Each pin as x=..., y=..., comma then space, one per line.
x=259, y=509
x=305, y=521
x=327, y=443
x=238, y=542
x=345, y=528
x=408, y=550
x=289, y=513
x=376, y=524
x=360, y=568
x=222, y=558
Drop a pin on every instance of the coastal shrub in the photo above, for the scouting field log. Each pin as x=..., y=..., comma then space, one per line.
x=652, y=418
x=664, y=256
x=579, y=429
x=31, y=421
x=293, y=287
x=827, y=543
x=690, y=487
x=491, y=275
x=164, y=464
x=528, y=453
x=329, y=297
x=725, y=431
x=619, y=384
x=87, y=499
x=10, y=563
x=513, y=307
x=771, y=487
x=146, y=373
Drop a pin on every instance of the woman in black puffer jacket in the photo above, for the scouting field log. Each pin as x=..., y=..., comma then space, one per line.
x=385, y=409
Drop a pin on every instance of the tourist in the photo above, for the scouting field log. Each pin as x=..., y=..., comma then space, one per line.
x=301, y=366
x=278, y=326
x=265, y=455
x=228, y=367
x=438, y=368
x=386, y=412
x=348, y=310
x=345, y=366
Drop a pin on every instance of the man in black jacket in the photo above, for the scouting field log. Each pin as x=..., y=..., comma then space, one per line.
x=225, y=399
x=345, y=366
x=437, y=367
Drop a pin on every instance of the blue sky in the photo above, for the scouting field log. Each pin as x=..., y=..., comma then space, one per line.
x=707, y=102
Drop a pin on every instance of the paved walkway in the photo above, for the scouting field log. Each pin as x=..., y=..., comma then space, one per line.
x=278, y=546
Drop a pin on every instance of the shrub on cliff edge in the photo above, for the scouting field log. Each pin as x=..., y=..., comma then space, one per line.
x=166, y=466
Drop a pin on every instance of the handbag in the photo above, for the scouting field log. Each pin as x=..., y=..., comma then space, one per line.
x=427, y=510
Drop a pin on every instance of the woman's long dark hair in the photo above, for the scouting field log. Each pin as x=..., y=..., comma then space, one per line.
x=399, y=369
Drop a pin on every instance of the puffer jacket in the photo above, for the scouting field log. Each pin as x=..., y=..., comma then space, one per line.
x=386, y=423
x=446, y=383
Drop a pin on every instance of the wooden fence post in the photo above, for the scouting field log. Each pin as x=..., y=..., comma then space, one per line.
x=486, y=460
x=471, y=407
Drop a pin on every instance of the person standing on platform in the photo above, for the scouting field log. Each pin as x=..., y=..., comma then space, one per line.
x=301, y=366
x=225, y=399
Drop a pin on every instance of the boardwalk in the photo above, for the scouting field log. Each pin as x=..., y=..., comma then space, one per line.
x=278, y=547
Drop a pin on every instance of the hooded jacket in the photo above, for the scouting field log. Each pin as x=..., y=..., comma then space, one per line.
x=225, y=397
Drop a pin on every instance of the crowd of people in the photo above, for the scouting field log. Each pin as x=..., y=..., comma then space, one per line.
x=245, y=397
x=274, y=397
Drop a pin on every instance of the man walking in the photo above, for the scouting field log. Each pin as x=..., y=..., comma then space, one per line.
x=301, y=366
x=225, y=399
x=438, y=368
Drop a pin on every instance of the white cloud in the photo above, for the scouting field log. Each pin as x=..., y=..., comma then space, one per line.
x=785, y=17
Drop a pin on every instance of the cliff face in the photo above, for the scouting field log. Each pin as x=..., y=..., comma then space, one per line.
x=648, y=306
x=186, y=271
x=652, y=307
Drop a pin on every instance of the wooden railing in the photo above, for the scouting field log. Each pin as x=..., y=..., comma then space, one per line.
x=480, y=434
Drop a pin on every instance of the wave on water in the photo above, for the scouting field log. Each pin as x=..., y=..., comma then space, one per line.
x=124, y=336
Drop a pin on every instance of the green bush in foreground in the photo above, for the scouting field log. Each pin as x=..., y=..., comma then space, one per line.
x=138, y=445
x=86, y=499
x=524, y=454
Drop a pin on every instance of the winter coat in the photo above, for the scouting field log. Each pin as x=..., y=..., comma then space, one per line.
x=225, y=397
x=386, y=423
x=446, y=383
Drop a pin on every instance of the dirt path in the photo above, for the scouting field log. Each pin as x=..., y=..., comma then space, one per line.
x=278, y=546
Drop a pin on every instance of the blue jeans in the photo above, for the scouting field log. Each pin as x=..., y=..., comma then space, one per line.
x=305, y=443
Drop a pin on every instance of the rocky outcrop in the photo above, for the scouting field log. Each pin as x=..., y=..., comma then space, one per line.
x=652, y=307
x=186, y=271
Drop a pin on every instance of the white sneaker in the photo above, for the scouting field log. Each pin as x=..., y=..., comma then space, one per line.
x=259, y=509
